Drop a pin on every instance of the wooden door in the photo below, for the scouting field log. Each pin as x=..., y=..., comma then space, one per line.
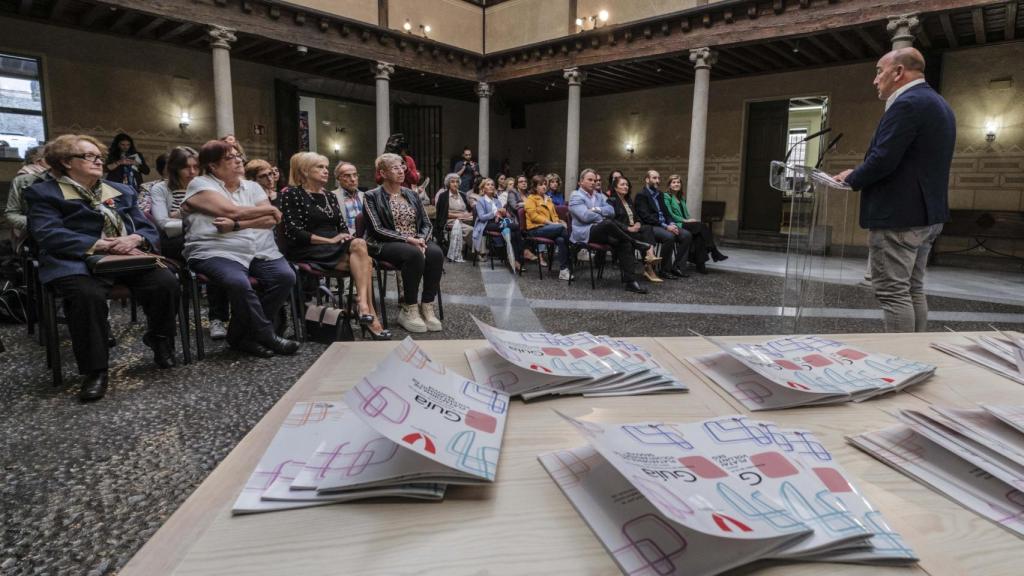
x=286, y=102
x=767, y=126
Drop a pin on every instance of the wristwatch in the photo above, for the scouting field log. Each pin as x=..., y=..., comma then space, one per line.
x=237, y=227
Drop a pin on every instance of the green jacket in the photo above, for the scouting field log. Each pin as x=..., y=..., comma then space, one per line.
x=676, y=208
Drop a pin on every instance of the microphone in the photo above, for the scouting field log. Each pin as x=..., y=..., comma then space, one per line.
x=806, y=138
x=830, y=146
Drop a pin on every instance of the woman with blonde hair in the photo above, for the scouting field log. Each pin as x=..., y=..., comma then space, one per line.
x=316, y=233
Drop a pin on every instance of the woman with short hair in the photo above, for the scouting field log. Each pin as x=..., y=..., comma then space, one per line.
x=261, y=172
x=77, y=215
x=316, y=233
x=398, y=231
x=229, y=239
x=542, y=221
x=452, y=216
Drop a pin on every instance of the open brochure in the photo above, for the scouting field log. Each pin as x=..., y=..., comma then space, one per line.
x=805, y=371
x=407, y=429
x=974, y=457
x=1003, y=355
x=705, y=497
x=534, y=364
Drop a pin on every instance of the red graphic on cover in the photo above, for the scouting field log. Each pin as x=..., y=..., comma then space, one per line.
x=413, y=437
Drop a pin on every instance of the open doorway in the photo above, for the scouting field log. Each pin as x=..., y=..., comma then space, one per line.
x=773, y=129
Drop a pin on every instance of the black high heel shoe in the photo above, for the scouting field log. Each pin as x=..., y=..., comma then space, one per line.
x=365, y=321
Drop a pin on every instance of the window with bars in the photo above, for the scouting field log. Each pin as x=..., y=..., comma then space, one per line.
x=22, y=124
x=799, y=154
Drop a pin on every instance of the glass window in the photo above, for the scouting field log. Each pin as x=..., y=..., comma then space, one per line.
x=22, y=125
x=799, y=154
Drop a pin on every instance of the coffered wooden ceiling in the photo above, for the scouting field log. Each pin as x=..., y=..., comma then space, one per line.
x=751, y=37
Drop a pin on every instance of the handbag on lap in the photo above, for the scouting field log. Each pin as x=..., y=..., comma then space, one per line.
x=115, y=264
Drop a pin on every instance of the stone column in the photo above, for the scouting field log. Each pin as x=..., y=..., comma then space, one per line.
x=483, y=145
x=703, y=59
x=220, y=44
x=382, y=71
x=903, y=29
x=572, y=129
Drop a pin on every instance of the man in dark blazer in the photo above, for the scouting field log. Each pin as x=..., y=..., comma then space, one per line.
x=76, y=215
x=675, y=241
x=904, y=184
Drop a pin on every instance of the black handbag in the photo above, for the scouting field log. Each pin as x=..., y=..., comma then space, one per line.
x=114, y=264
x=327, y=323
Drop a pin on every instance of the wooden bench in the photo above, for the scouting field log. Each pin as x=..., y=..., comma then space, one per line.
x=982, y=226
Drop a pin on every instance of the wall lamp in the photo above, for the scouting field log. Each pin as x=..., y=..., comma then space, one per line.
x=424, y=28
x=184, y=122
x=337, y=148
x=991, y=128
x=599, y=19
x=630, y=148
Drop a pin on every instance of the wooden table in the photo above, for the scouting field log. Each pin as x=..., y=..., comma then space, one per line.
x=523, y=524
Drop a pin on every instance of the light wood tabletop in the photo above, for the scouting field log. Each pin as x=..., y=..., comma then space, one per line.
x=522, y=524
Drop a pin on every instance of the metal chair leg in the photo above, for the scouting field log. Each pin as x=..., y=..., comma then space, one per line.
x=593, y=282
x=382, y=289
x=198, y=313
x=183, y=335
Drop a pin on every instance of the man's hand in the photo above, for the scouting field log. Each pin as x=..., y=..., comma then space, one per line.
x=842, y=176
x=673, y=229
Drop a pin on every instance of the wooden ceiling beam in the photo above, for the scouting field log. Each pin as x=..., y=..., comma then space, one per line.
x=871, y=41
x=786, y=55
x=177, y=31
x=1011, y=21
x=978, y=20
x=150, y=26
x=948, y=31
x=851, y=47
x=92, y=15
x=820, y=44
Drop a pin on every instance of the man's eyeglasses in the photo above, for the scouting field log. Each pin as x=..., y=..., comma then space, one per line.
x=264, y=175
x=89, y=157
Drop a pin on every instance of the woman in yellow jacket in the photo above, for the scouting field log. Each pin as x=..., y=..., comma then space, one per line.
x=542, y=222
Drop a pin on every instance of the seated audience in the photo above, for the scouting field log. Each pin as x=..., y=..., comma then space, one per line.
x=518, y=190
x=542, y=221
x=625, y=216
x=492, y=216
x=553, y=192
x=398, y=231
x=125, y=164
x=261, y=172
x=167, y=196
x=229, y=238
x=78, y=215
x=675, y=241
x=34, y=170
x=592, y=221
x=703, y=239
x=349, y=195
x=452, y=217
x=316, y=233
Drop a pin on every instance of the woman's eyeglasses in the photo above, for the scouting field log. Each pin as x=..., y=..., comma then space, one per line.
x=89, y=157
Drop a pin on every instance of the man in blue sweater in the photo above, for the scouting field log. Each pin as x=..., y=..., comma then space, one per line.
x=904, y=184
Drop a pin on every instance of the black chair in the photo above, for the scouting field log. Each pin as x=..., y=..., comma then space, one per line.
x=537, y=242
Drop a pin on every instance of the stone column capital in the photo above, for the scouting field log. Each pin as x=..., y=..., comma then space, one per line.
x=382, y=70
x=221, y=37
x=903, y=27
x=703, y=57
x=484, y=90
x=575, y=76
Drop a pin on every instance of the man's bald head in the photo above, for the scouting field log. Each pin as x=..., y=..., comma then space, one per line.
x=897, y=69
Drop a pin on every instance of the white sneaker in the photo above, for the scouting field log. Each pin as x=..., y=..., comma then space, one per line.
x=410, y=319
x=217, y=330
x=429, y=318
x=565, y=275
x=583, y=256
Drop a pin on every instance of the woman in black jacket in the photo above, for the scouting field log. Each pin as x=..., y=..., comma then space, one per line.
x=398, y=231
x=622, y=202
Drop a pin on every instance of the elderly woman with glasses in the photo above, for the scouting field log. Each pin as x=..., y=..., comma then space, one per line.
x=452, y=216
x=230, y=238
x=261, y=172
x=77, y=215
x=398, y=231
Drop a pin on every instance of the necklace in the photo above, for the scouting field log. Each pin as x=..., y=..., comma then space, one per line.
x=326, y=209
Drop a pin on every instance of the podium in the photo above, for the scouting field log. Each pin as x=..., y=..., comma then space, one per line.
x=813, y=280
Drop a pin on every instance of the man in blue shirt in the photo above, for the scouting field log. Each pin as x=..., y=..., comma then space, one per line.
x=675, y=241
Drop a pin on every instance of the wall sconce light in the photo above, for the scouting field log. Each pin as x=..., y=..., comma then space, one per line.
x=991, y=128
x=184, y=122
x=630, y=148
x=596, y=20
x=407, y=26
x=425, y=29
x=337, y=148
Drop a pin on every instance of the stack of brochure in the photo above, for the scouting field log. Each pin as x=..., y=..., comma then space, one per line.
x=705, y=497
x=974, y=457
x=408, y=429
x=805, y=371
x=1004, y=356
x=534, y=364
